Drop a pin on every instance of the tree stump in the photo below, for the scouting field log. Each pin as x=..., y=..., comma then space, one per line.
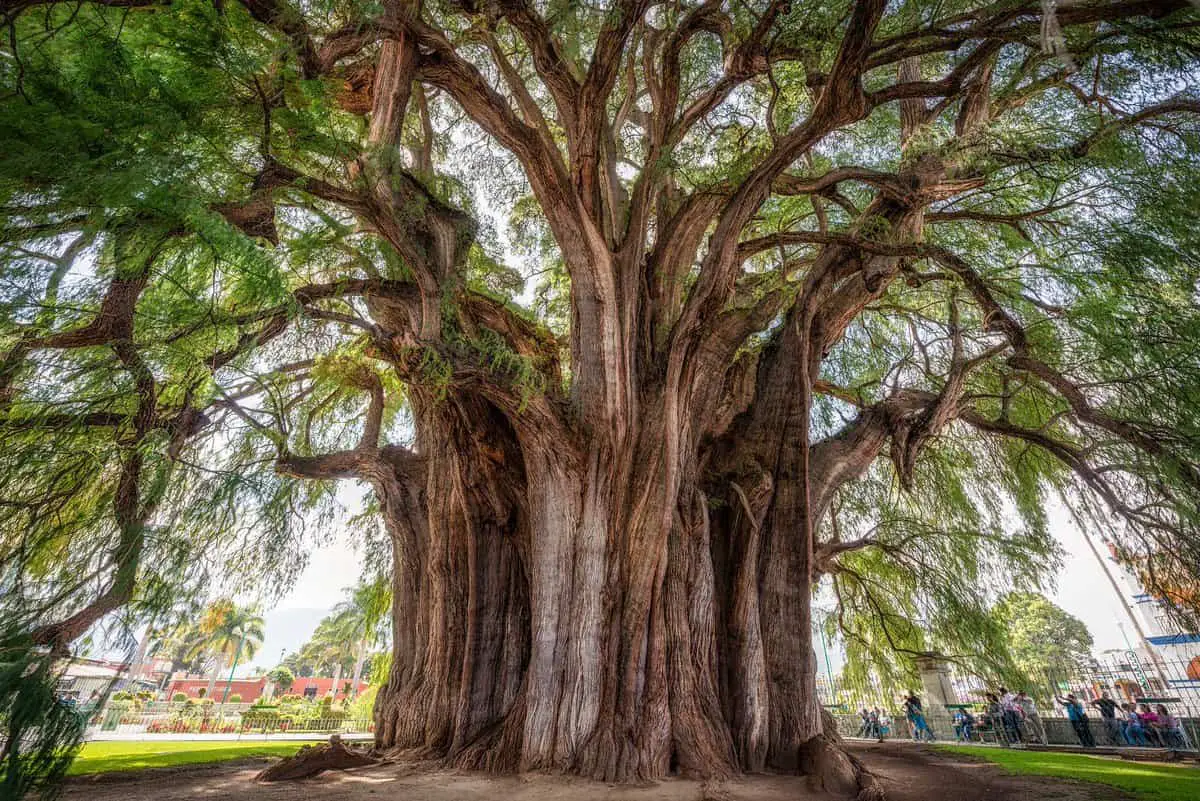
x=312, y=760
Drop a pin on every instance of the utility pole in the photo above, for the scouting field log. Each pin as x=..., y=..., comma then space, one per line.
x=1159, y=668
x=236, y=655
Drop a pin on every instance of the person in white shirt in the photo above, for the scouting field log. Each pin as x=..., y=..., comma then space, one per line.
x=1011, y=715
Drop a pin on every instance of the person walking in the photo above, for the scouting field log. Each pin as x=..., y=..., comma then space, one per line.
x=916, y=718
x=1035, y=732
x=1150, y=727
x=1108, y=714
x=873, y=724
x=1078, y=718
x=885, y=723
x=1170, y=728
x=995, y=716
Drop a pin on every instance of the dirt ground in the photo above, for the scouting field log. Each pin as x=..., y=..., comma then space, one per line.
x=908, y=773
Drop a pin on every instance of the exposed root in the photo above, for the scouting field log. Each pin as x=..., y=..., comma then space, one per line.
x=831, y=768
x=314, y=759
x=869, y=786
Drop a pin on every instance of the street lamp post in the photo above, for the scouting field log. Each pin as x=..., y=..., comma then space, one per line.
x=236, y=655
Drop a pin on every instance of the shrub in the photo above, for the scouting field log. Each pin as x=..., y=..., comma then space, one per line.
x=364, y=705
x=179, y=697
x=290, y=699
x=236, y=698
x=261, y=712
x=179, y=726
x=283, y=678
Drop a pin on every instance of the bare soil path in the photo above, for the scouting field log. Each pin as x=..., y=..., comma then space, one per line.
x=908, y=773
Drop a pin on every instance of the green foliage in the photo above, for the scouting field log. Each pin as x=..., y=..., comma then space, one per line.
x=40, y=733
x=944, y=553
x=1044, y=639
x=381, y=668
x=179, y=697
x=283, y=678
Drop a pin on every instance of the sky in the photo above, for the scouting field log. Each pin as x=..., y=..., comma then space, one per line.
x=1081, y=589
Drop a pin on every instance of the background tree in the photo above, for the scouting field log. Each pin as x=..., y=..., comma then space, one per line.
x=283, y=678
x=225, y=634
x=1045, y=640
x=824, y=292
x=362, y=620
x=179, y=644
x=341, y=641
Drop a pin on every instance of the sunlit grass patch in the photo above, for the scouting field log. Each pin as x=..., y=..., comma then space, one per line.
x=1147, y=780
x=108, y=757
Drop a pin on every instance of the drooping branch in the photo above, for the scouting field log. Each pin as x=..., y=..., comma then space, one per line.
x=132, y=511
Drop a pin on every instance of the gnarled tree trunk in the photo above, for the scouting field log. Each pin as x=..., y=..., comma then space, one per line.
x=562, y=607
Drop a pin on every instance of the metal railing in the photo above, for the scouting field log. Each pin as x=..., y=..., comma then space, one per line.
x=1125, y=678
x=115, y=723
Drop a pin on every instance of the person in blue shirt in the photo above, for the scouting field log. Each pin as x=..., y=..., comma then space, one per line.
x=916, y=718
x=1078, y=718
x=964, y=725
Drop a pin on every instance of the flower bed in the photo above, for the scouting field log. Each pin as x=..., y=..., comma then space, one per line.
x=180, y=726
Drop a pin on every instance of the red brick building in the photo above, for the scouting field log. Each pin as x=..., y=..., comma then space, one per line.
x=251, y=689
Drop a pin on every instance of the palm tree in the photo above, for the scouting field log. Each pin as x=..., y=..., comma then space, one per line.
x=228, y=632
x=361, y=620
x=176, y=643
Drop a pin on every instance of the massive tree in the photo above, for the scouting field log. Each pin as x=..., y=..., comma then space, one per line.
x=825, y=296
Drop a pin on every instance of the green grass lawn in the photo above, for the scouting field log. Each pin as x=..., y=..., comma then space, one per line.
x=1151, y=781
x=107, y=756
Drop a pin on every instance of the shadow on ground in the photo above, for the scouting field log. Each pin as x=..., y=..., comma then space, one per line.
x=908, y=773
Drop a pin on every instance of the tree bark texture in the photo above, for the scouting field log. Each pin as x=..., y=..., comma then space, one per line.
x=562, y=608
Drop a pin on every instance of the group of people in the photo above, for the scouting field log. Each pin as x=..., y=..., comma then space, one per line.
x=876, y=725
x=1014, y=718
x=1130, y=724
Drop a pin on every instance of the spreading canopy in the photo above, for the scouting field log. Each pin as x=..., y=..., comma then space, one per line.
x=844, y=290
